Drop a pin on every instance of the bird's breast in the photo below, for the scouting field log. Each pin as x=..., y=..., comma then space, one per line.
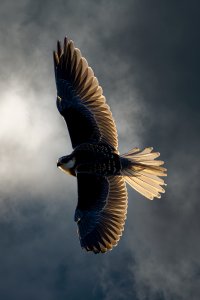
x=97, y=159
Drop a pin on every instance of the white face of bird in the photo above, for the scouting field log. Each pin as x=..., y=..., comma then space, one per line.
x=66, y=164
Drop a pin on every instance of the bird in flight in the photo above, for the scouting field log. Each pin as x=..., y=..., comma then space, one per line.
x=101, y=172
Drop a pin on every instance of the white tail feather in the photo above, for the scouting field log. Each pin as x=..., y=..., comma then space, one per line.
x=143, y=172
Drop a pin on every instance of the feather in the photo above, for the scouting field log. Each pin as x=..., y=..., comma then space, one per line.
x=78, y=86
x=101, y=228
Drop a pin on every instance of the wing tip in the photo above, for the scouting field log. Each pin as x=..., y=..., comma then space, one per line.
x=59, y=48
x=55, y=58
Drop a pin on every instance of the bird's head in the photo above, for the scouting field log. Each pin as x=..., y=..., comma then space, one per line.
x=67, y=164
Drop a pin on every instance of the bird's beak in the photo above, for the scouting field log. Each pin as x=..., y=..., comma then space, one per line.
x=58, y=164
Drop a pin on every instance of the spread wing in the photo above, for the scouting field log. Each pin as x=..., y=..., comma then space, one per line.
x=101, y=211
x=80, y=99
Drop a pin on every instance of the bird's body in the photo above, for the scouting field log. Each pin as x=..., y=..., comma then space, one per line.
x=100, y=170
x=97, y=159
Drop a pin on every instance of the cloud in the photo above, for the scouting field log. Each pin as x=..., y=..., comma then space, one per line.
x=145, y=57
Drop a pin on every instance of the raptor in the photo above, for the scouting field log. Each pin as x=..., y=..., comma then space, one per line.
x=101, y=172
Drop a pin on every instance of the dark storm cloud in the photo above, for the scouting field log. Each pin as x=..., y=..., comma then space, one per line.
x=145, y=55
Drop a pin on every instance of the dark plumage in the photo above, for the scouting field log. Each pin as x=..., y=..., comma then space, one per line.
x=101, y=172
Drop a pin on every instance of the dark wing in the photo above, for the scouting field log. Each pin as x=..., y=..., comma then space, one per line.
x=80, y=99
x=101, y=211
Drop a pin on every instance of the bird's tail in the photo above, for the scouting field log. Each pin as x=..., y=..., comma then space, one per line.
x=142, y=172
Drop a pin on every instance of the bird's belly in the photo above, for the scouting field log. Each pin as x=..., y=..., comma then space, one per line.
x=103, y=167
x=97, y=159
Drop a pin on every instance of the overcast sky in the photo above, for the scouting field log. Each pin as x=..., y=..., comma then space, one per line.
x=146, y=57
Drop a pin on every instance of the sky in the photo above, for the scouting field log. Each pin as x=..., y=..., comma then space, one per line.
x=145, y=55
